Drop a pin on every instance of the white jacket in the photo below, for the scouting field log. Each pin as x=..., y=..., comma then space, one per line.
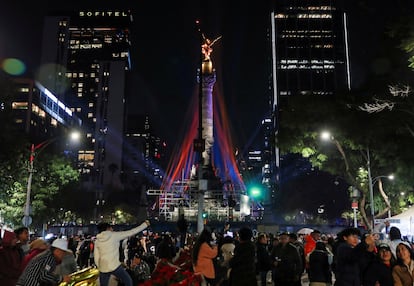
x=106, y=250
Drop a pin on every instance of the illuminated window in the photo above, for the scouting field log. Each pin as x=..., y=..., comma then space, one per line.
x=42, y=113
x=90, y=114
x=90, y=104
x=24, y=89
x=78, y=109
x=89, y=135
x=53, y=122
x=19, y=105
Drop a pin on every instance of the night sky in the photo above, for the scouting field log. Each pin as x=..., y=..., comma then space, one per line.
x=166, y=52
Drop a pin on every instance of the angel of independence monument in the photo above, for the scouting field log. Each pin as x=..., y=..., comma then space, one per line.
x=204, y=196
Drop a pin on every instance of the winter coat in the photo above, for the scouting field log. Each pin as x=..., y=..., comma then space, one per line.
x=106, y=249
x=319, y=268
x=402, y=276
x=349, y=261
x=378, y=271
x=243, y=272
x=288, y=264
x=205, y=257
x=264, y=262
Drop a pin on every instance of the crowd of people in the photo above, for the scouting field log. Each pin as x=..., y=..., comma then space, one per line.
x=212, y=258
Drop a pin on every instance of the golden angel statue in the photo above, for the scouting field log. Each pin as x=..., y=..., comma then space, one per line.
x=206, y=47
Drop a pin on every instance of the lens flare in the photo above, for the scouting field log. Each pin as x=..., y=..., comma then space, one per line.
x=13, y=66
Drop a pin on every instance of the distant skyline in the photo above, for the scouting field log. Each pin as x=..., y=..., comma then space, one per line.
x=166, y=52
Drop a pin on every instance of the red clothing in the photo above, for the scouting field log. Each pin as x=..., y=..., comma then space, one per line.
x=310, y=244
x=205, y=258
x=9, y=260
x=32, y=253
x=308, y=247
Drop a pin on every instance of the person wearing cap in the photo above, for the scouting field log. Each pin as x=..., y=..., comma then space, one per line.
x=379, y=272
x=41, y=269
x=106, y=252
x=10, y=260
x=403, y=272
x=35, y=247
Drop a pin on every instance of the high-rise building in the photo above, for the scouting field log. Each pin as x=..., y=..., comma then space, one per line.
x=85, y=60
x=144, y=154
x=310, y=55
x=38, y=113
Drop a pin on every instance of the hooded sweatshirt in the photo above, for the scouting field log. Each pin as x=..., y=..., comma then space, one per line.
x=106, y=250
x=9, y=260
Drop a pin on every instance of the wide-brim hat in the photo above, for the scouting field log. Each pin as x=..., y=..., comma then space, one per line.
x=62, y=244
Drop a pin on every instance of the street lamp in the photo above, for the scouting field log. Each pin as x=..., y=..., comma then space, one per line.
x=27, y=219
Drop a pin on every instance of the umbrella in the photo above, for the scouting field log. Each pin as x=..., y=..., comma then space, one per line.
x=305, y=230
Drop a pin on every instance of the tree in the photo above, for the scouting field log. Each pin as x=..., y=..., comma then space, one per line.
x=52, y=173
x=302, y=120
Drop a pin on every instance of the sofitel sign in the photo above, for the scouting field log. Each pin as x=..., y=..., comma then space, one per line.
x=103, y=14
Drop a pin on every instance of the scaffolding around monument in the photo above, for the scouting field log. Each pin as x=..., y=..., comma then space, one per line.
x=229, y=203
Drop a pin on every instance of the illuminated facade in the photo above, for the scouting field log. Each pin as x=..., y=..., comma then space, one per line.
x=39, y=113
x=310, y=56
x=310, y=53
x=85, y=60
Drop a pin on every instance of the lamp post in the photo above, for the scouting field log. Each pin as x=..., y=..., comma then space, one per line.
x=371, y=189
x=27, y=219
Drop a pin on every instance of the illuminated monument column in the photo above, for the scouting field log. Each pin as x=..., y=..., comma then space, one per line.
x=208, y=79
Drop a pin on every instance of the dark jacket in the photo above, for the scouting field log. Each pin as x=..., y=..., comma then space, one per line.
x=289, y=264
x=243, y=270
x=348, y=264
x=378, y=271
x=264, y=261
x=319, y=268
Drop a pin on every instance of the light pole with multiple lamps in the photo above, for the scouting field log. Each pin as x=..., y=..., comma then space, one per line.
x=35, y=150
